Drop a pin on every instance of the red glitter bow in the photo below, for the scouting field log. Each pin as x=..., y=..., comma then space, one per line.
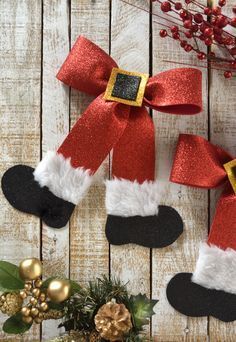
x=199, y=163
x=127, y=129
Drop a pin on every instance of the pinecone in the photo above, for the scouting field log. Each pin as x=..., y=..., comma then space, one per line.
x=53, y=314
x=94, y=337
x=10, y=303
x=113, y=321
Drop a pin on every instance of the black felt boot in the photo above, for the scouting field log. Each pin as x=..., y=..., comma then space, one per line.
x=25, y=194
x=155, y=231
x=194, y=300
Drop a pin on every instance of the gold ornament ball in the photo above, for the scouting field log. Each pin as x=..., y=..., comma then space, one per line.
x=34, y=312
x=38, y=283
x=43, y=306
x=33, y=301
x=25, y=311
x=23, y=294
x=38, y=320
x=42, y=297
x=36, y=292
x=27, y=319
x=59, y=290
x=30, y=269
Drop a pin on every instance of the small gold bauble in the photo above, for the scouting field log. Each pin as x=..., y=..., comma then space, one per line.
x=28, y=286
x=40, y=315
x=27, y=319
x=25, y=311
x=34, y=312
x=38, y=320
x=30, y=269
x=43, y=306
x=3, y=298
x=38, y=283
x=36, y=293
x=42, y=297
x=59, y=290
x=23, y=294
x=33, y=301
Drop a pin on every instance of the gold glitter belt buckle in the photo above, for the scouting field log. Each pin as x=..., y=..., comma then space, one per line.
x=230, y=168
x=126, y=87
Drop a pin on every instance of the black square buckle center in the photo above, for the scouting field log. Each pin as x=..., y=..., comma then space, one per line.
x=126, y=87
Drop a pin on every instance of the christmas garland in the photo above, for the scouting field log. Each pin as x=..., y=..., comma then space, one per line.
x=102, y=311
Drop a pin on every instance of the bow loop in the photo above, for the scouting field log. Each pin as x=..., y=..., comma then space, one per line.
x=177, y=91
x=199, y=163
x=87, y=68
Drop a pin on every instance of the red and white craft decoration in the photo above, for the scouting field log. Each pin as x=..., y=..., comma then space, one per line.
x=117, y=119
x=201, y=164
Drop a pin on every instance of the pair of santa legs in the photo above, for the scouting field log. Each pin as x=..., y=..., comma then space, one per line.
x=61, y=180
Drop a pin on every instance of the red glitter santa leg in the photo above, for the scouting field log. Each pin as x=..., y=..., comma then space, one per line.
x=211, y=289
x=132, y=195
x=62, y=178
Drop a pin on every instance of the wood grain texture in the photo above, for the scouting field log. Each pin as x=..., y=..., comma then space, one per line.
x=88, y=248
x=55, y=127
x=20, y=60
x=191, y=203
x=130, y=49
x=37, y=111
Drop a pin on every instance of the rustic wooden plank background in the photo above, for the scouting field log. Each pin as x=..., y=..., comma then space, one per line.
x=37, y=113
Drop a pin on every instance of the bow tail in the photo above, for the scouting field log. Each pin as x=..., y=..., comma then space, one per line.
x=68, y=173
x=134, y=154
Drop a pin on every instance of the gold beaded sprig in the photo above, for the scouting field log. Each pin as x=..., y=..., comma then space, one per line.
x=37, y=302
x=30, y=271
x=10, y=303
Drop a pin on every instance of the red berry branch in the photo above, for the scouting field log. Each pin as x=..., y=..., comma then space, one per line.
x=202, y=23
x=190, y=25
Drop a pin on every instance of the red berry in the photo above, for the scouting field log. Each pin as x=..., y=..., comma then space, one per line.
x=208, y=41
x=165, y=6
x=188, y=1
x=198, y=18
x=221, y=3
x=208, y=32
x=183, y=43
x=234, y=9
x=216, y=10
x=212, y=54
x=201, y=56
x=188, y=48
x=175, y=35
x=194, y=28
x=163, y=33
x=188, y=34
x=183, y=14
x=233, y=51
x=188, y=24
x=233, y=22
x=207, y=11
x=178, y=6
x=228, y=41
x=227, y=74
x=222, y=21
x=218, y=39
x=174, y=29
x=217, y=30
x=233, y=64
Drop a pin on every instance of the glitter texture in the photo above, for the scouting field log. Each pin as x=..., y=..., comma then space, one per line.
x=230, y=169
x=200, y=164
x=107, y=125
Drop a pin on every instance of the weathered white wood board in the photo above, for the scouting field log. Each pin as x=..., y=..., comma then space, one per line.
x=36, y=113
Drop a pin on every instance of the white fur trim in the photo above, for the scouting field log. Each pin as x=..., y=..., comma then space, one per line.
x=126, y=198
x=64, y=181
x=216, y=268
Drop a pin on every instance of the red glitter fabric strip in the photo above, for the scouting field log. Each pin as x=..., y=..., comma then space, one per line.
x=199, y=163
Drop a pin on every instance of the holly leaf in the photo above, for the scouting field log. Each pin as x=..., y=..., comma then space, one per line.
x=9, y=277
x=142, y=309
x=15, y=325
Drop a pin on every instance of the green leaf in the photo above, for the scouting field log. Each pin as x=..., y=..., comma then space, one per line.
x=142, y=309
x=9, y=277
x=15, y=325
